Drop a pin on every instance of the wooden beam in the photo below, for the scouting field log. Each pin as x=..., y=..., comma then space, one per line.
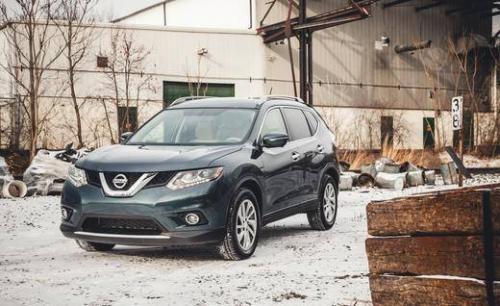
x=408, y=290
x=439, y=255
x=452, y=212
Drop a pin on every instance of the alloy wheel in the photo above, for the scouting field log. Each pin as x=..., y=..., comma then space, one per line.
x=329, y=203
x=246, y=225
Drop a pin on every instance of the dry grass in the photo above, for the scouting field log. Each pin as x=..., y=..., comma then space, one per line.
x=424, y=158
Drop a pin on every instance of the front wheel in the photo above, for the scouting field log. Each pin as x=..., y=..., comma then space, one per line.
x=243, y=227
x=94, y=246
x=323, y=217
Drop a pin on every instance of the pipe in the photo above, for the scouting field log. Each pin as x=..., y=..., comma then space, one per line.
x=413, y=47
x=13, y=189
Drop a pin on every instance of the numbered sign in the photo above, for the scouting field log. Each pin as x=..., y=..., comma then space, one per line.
x=457, y=104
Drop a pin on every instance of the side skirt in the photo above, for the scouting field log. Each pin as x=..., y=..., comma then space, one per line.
x=290, y=211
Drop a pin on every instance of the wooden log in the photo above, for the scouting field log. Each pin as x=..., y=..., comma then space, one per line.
x=409, y=290
x=439, y=255
x=453, y=212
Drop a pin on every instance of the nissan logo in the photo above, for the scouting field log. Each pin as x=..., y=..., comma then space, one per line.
x=120, y=181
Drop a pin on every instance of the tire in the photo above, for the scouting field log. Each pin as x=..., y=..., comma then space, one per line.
x=323, y=217
x=238, y=243
x=94, y=246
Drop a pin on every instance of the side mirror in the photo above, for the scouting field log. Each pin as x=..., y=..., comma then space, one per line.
x=274, y=140
x=125, y=136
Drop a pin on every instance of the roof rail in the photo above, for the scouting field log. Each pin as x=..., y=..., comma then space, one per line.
x=290, y=98
x=188, y=98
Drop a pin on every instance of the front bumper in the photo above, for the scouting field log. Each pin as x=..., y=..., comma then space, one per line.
x=161, y=205
x=170, y=239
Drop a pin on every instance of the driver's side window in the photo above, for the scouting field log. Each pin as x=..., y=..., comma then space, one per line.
x=274, y=123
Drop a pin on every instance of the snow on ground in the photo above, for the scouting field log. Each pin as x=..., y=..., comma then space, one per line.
x=293, y=265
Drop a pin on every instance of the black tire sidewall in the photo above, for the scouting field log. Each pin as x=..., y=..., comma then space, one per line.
x=328, y=179
x=241, y=195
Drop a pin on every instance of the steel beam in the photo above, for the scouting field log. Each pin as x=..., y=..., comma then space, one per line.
x=429, y=6
x=303, y=50
x=394, y=3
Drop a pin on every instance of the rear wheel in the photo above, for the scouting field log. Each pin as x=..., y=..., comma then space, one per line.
x=323, y=217
x=243, y=227
x=94, y=246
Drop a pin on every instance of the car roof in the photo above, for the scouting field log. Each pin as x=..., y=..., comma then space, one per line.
x=233, y=102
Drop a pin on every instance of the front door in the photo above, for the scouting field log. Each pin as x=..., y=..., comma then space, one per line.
x=282, y=169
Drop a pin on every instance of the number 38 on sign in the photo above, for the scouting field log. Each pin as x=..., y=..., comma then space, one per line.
x=457, y=104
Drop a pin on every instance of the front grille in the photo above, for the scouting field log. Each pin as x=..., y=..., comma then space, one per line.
x=93, y=178
x=132, y=177
x=121, y=226
x=161, y=178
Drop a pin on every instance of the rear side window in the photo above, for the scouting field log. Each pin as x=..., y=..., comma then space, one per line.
x=274, y=123
x=313, y=122
x=297, y=123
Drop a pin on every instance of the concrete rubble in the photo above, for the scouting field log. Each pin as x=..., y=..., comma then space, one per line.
x=387, y=174
x=48, y=170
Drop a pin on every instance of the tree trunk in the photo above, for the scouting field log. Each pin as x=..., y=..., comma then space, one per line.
x=76, y=107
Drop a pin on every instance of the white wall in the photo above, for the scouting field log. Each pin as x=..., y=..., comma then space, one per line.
x=234, y=57
x=227, y=14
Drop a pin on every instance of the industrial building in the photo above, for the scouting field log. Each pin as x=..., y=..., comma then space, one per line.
x=378, y=71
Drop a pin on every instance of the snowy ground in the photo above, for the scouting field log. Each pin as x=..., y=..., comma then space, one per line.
x=293, y=265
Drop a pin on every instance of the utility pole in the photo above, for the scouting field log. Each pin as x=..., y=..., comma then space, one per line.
x=457, y=118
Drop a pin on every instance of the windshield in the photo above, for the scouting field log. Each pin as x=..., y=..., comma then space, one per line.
x=208, y=126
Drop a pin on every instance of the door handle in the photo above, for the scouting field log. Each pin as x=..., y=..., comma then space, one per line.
x=320, y=148
x=295, y=156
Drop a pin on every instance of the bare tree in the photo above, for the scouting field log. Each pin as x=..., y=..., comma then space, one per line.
x=75, y=23
x=469, y=57
x=32, y=50
x=125, y=73
x=435, y=63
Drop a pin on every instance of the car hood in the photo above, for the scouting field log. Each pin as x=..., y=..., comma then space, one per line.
x=140, y=158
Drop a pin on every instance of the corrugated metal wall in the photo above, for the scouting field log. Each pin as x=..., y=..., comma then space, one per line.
x=350, y=72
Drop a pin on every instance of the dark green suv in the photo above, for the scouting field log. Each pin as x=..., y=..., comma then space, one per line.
x=205, y=172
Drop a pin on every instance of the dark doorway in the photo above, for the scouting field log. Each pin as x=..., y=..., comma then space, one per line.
x=387, y=131
x=127, y=119
x=429, y=129
x=175, y=90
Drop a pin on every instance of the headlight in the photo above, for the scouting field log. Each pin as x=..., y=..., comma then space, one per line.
x=77, y=176
x=194, y=177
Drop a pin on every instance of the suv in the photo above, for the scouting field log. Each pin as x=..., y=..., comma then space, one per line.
x=205, y=172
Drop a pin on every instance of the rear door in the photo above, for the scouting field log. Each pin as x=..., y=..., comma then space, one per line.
x=301, y=144
x=316, y=160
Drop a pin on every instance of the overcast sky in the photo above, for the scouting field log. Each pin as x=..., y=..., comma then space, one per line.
x=121, y=8
x=114, y=8
x=117, y=8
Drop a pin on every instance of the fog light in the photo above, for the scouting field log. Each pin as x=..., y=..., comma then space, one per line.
x=66, y=213
x=192, y=219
